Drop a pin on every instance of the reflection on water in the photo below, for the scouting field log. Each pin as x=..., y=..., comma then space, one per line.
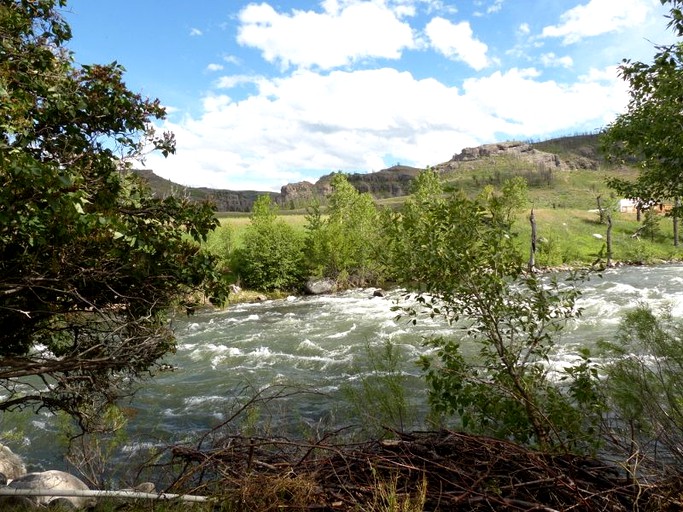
x=321, y=344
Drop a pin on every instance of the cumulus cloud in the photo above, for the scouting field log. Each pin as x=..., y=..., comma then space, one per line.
x=343, y=33
x=230, y=81
x=308, y=123
x=524, y=104
x=598, y=17
x=214, y=67
x=196, y=32
x=457, y=42
x=551, y=60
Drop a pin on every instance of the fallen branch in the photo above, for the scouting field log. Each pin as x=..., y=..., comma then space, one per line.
x=132, y=495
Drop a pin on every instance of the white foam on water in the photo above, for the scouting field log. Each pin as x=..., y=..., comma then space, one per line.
x=343, y=334
x=309, y=345
x=139, y=446
x=200, y=400
x=216, y=361
x=40, y=424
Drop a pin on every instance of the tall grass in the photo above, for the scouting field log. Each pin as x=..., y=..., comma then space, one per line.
x=576, y=237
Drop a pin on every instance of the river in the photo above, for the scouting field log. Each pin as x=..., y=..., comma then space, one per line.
x=325, y=347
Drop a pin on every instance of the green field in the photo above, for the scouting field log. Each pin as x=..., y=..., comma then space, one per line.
x=566, y=236
x=564, y=202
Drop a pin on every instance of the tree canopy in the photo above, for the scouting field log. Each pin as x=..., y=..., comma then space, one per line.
x=649, y=132
x=90, y=260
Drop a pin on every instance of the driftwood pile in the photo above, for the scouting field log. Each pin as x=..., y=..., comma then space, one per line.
x=441, y=470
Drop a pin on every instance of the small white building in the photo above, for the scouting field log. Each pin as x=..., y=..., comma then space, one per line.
x=627, y=206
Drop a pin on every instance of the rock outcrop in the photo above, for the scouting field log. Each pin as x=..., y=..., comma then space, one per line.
x=522, y=152
x=392, y=182
x=235, y=201
x=577, y=152
x=320, y=286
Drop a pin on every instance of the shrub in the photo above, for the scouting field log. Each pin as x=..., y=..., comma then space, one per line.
x=271, y=255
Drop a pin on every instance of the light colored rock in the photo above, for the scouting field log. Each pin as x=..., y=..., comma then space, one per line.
x=523, y=152
x=11, y=464
x=50, y=480
x=320, y=286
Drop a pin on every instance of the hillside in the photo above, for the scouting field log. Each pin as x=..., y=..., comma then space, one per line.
x=543, y=164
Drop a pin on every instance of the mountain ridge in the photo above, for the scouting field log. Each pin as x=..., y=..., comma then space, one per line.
x=558, y=154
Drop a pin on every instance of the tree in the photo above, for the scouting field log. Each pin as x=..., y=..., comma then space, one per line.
x=271, y=256
x=648, y=132
x=406, y=229
x=643, y=380
x=464, y=260
x=344, y=244
x=90, y=261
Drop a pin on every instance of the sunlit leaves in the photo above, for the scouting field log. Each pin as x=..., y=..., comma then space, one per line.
x=460, y=254
x=89, y=260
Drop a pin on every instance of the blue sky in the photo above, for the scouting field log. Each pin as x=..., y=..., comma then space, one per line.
x=261, y=94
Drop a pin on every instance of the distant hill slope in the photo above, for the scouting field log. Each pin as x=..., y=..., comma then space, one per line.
x=560, y=154
x=225, y=200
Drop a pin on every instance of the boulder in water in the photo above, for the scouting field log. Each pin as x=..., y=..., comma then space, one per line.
x=320, y=286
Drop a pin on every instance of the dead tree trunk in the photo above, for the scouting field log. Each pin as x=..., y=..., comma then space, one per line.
x=677, y=205
x=609, y=240
x=532, y=255
x=601, y=210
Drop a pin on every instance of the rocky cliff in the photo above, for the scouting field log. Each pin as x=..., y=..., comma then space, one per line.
x=553, y=155
x=392, y=182
x=519, y=152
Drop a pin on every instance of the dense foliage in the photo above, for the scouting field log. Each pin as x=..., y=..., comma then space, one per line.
x=461, y=253
x=89, y=259
x=647, y=132
x=343, y=245
x=271, y=256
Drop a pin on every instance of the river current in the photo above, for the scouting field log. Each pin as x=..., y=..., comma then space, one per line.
x=322, y=345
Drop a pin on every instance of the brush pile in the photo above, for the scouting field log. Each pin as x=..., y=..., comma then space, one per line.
x=440, y=470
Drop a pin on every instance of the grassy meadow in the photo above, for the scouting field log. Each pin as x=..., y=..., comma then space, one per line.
x=565, y=207
x=566, y=236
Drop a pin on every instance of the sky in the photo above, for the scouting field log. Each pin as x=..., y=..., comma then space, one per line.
x=265, y=93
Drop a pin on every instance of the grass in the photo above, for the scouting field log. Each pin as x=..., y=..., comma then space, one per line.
x=566, y=235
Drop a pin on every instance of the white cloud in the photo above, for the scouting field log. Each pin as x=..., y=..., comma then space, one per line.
x=300, y=126
x=598, y=17
x=214, y=67
x=345, y=32
x=496, y=6
x=231, y=59
x=552, y=60
x=525, y=105
x=196, y=32
x=230, y=81
x=457, y=42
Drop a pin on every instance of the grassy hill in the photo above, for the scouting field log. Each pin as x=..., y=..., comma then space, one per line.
x=564, y=201
x=566, y=172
